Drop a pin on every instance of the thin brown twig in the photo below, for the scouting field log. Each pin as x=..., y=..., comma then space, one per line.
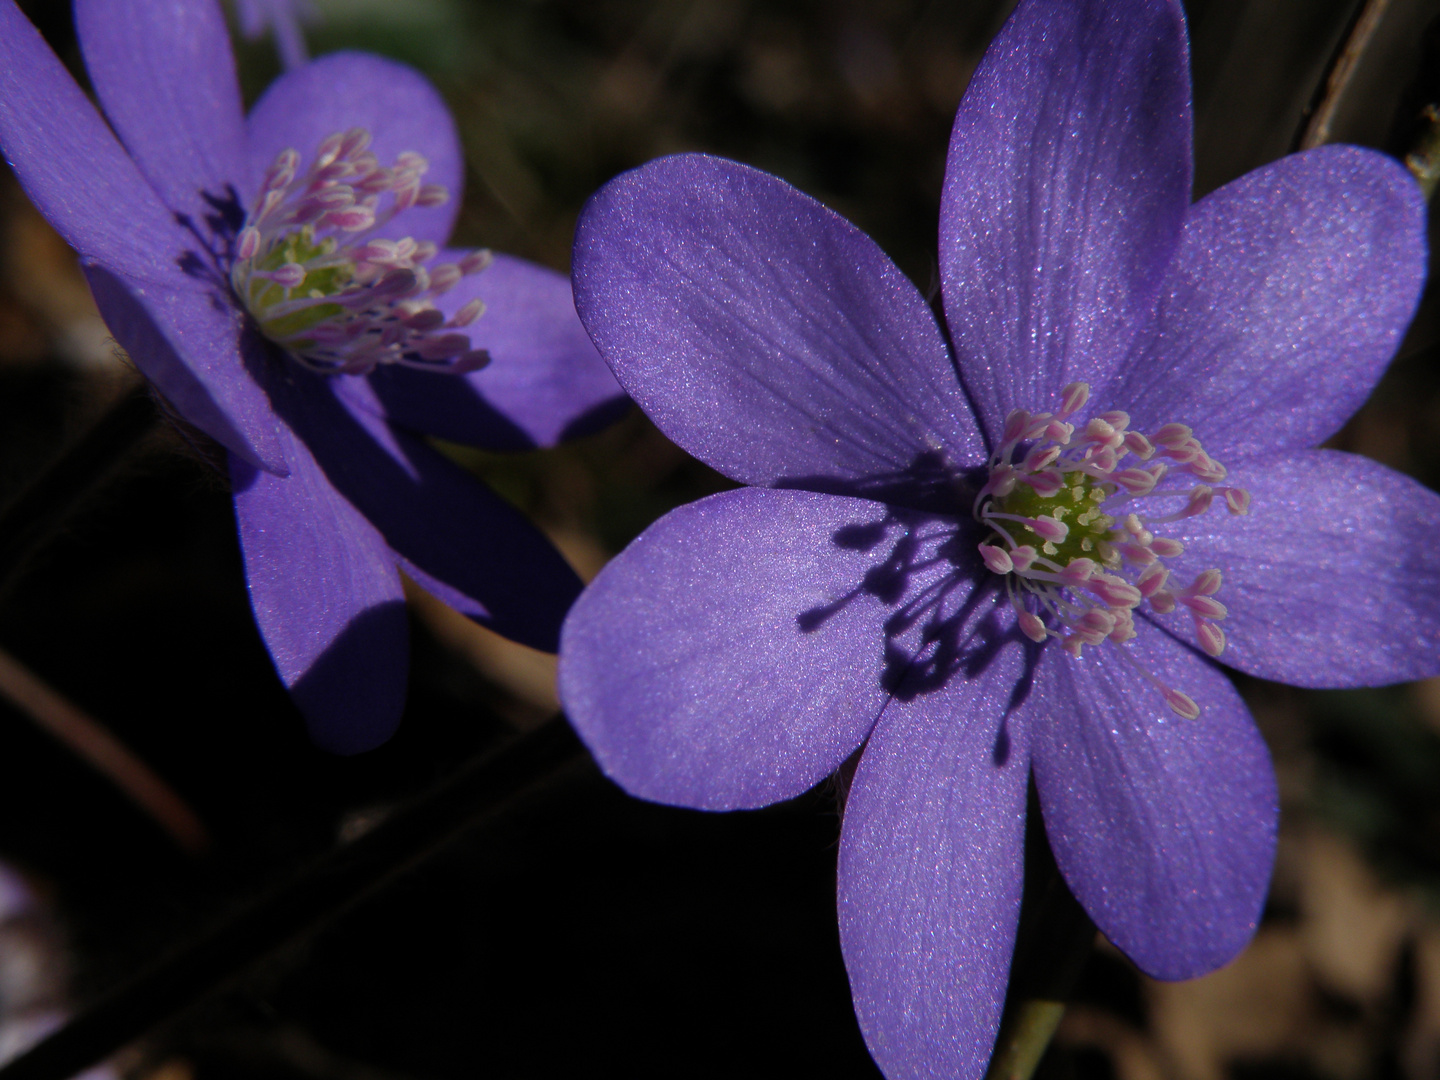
x=89, y=740
x=1342, y=72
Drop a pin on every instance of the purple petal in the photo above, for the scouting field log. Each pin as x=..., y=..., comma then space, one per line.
x=395, y=103
x=930, y=873
x=734, y=654
x=327, y=598
x=487, y=559
x=1067, y=181
x=165, y=77
x=1164, y=828
x=1289, y=294
x=85, y=184
x=284, y=17
x=1331, y=580
x=545, y=381
x=184, y=339
x=71, y=166
x=762, y=332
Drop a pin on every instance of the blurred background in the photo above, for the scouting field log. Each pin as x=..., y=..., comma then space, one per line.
x=592, y=934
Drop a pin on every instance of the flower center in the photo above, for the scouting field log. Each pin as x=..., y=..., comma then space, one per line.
x=1068, y=537
x=319, y=282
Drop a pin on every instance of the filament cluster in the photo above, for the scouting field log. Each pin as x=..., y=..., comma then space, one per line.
x=320, y=282
x=1062, y=503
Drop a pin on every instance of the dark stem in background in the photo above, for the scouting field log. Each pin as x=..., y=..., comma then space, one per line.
x=51, y=498
x=1331, y=92
x=1053, y=942
x=89, y=740
x=417, y=830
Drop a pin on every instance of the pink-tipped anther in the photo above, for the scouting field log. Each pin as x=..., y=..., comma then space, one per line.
x=1210, y=636
x=1139, y=445
x=1048, y=528
x=1040, y=457
x=1167, y=548
x=1113, y=591
x=1183, y=705
x=1135, y=481
x=997, y=559
x=1059, y=432
x=1047, y=484
x=1095, y=623
x=1206, y=583
x=1023, y=557
x=1116, y=418
x=1171, y=436
x=1015, y=426
x=1152, y=580
x=1207, y=607
x=1031, y=626
x=1237, y=500
x=1073, y=398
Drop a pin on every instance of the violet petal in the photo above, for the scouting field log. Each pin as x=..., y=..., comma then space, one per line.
x=1289, y=294
x=328, y=602
x=545, y=381
x=1163, y=827
x=86, y=186
x=1065, y=188
x=732, y=655
x=763, y=332
x=1331, y=580
x=396, y=104
x=165, y=77
x=436, y=515
x=185, y=343
x=930, y=873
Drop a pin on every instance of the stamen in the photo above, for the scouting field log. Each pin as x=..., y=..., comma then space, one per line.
x=1067, y=550
x=340, y=299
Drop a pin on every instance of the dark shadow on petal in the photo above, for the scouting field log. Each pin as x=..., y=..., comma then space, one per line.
x=215, y=237
x=596, y=418
x=461, y=414
x=945, y=620
x=150, y=350
x=354, y=692
x=930, y=483
x=432, y=512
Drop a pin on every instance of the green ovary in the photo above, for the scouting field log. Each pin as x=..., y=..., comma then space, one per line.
x=263, y=295
x=1078, y=506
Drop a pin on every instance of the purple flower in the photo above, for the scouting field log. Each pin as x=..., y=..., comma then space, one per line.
x=278, y=278
x=1004, y=550
x=284, y=18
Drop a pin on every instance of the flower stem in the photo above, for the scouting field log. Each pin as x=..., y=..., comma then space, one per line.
x=478, y=794
x=42, y=507
x=1052, y=944
x=1024, y=1039
x=1341, y=72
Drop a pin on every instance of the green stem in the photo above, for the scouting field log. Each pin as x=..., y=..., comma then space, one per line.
x=1052, y=944
x=1024, y=1039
